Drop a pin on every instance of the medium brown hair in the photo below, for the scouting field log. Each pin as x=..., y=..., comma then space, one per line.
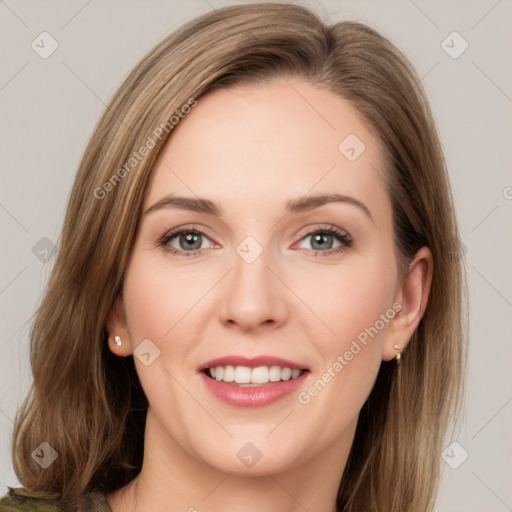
x=89, y=405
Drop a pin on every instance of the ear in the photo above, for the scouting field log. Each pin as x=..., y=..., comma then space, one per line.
x=412, y=295
x=117, y=326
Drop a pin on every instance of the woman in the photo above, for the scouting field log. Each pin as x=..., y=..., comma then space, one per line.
x=257, y=301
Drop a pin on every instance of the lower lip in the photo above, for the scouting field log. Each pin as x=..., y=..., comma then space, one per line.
x=256, y=396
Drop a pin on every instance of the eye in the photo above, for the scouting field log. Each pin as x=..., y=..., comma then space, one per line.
x=323, y=240
x=192, y=241
x=185, y=242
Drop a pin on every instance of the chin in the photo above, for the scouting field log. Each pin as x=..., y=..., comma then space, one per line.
x=251, y=455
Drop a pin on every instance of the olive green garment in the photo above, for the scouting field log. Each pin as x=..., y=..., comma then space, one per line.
x=19, y=500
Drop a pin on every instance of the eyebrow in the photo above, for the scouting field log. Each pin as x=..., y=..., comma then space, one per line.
x=299, y=205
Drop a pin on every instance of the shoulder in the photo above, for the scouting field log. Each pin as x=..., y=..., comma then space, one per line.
x=20, y=500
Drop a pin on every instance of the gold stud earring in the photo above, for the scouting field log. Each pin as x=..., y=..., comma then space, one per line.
x=396, y=347
x=117, y=341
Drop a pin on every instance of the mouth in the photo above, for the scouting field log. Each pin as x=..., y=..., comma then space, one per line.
x=244, y=376
x=256, y=382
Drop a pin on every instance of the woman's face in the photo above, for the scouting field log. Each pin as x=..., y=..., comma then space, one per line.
x=235, y=259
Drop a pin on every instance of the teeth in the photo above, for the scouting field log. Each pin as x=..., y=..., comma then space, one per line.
x=259, y=375
x=229, y=374
x=242, y=375
x=274, y=374
x=286, y=373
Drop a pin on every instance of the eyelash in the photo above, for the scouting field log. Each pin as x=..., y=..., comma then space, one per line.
x=343, y=237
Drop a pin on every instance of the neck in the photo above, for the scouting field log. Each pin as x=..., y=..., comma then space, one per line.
x=173, y=479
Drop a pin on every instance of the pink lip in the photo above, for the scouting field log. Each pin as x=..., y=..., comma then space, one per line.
x=257, y=396
x=251, y=362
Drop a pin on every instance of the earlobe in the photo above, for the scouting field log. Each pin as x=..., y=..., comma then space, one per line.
x=118, y=336
x=412, y=294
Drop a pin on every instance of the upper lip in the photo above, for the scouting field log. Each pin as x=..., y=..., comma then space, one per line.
x=252, y=362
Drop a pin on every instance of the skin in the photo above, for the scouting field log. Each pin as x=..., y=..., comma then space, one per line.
x=250, y=148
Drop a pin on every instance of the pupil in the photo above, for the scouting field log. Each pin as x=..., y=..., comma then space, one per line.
x=191, y=239
x=318, y=239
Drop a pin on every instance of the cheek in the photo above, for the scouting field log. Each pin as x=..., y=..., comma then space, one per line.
x=158, y=298
x=162, y=304
x=346, y=300
x=333, y=304
x=352, y=308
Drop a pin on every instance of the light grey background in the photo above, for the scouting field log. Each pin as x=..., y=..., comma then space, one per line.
x=50, y=106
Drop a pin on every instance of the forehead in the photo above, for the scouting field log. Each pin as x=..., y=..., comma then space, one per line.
x=268, y=142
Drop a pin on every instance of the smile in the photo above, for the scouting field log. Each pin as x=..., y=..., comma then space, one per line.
x=245, y=376
x=252, y=382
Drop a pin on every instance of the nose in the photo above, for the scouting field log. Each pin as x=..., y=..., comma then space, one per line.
x=252, y=296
